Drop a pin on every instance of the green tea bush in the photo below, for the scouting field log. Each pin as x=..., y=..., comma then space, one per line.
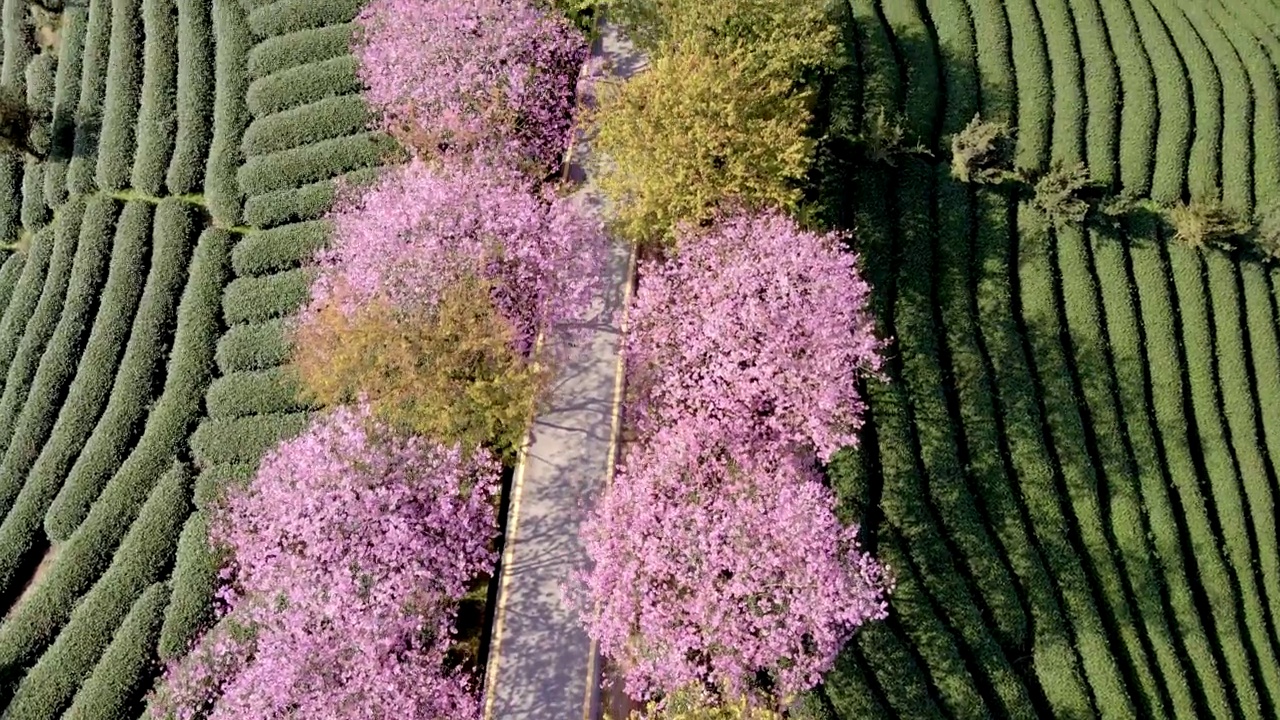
x=32, y=425
x=42, y=75
x=87, y=396
x=27, y=292
x=230, y=115
x=10, y=271
x=127, y=665
x=34, y=213
x=143, y=558
x=303, y=85
x=262, y=392
x=251, y=5
x=242, y=440
x=261, y=298
x=195, y=577
x=1266, y=233
x=213, y=481
x=195, y=100
x=332, y=117
x=286, y=16
x=18, y=47
x=281, y=248
x=301, y=47
x=252, y=346
x=66, y=97
x=117, y=143
x=294, y=205
x=157, y=118
x=11, y=193
x=135, y=385
x=262, y=174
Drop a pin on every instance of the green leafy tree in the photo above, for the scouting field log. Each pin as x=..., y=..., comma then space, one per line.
x=982, y=152
x=1059, y=193
x=1206, y=223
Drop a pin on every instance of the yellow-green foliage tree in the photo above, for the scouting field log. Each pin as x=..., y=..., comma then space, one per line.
x=695, y=705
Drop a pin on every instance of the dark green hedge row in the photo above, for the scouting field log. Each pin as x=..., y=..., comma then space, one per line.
x=286, y=16
x=253, y=346
x=242, y=440
x=90, y=390
x=332, y=117
x=44, y=320
x=42, y=78
x=126, y=667
x=283, y=248
x=251, y=5
x=157, y=118
x=195, y=577
x=136, y=384
x=302, y=47
x=88, y=116
x=35, y=213
x=213, y=481
x=195, y=96
x=256, y=299
x=263, y=174
x=260, y=392
x=230, y=116
x=31, y=425
x=303, y=85
x=142, y=560
x=10, y=197
x=308, y=202
x=124, y=94
x=10, y=271
x=18, y=47
x=84, y=556
x=66, y=96
x=26, y=294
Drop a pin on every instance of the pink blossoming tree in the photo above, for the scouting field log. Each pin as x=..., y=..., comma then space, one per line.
x=494, y=76
x=349, y=550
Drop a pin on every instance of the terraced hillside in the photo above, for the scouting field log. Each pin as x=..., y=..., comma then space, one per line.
x=1074, y=468
x=194, y=145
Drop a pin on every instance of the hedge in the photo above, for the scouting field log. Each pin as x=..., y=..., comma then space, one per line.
x=308, y=202
x=88, y=116
x=10, y=197
x=195, y=577
x=303, y=85
x=253, y=346
x=263, y=174
x=230, y=114
x=213, y=481
x=86, y=554
x=1204, y=165
x=125, y=669
x=42, y=77
x=256, y=299
x=1175, y=102
x=66, y=98
x=302, y=47
x=10, y=271
x=35, y=214
x=1237, y=107
x=242, y=440
x=1266, y=107
x=196, y=91
x=1102, y=90
x=26, y=293
x=283, y=248
x=261, y=392
x=20, y=533
x=17, y=44
x=286, y=16
x=136, y=383
x=332, y=117
x=157, y=121
x=142, y=560
x=118, y=143
x=44, y=320
x=30, y=425
x=1141, y=115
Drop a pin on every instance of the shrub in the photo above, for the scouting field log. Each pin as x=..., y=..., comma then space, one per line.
x=756, y=330
x=693, y=131
x=195, y=577
x=124, y=91
x=414, y=529
x=18, y=47
x=283, y=248
x=308, y=202
x=263, y=298
x=10, y=271
x=27, y=293
x=1058, y=193
x=301, y=47
x=286, y=16
x=263, y=392
x=695, y=704
x=885, y=139
x=302, y=85
x=195, y=99
x=142, y=559
x=1205, y=223
x=982, y=152
x=332, y=117
x=88, y=118
x=1266, y=235
x=126, y=666
x=214, y=481
x=242, y=439
x=230, y=113
x=42, y=76
x=157, y=121
x=286, y=169
x=35, y=214
x=416, y=60
x=252, y=346
x=17, y=120
x=11, y=190
x=66, y=96
x=714, y=564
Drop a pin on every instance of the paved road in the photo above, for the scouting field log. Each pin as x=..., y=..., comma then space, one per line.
x=542, y=666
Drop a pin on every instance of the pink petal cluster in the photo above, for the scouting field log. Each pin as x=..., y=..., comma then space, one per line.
x=349, y=549
x=421, y=227
x=497, y=76
x=758, y=328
